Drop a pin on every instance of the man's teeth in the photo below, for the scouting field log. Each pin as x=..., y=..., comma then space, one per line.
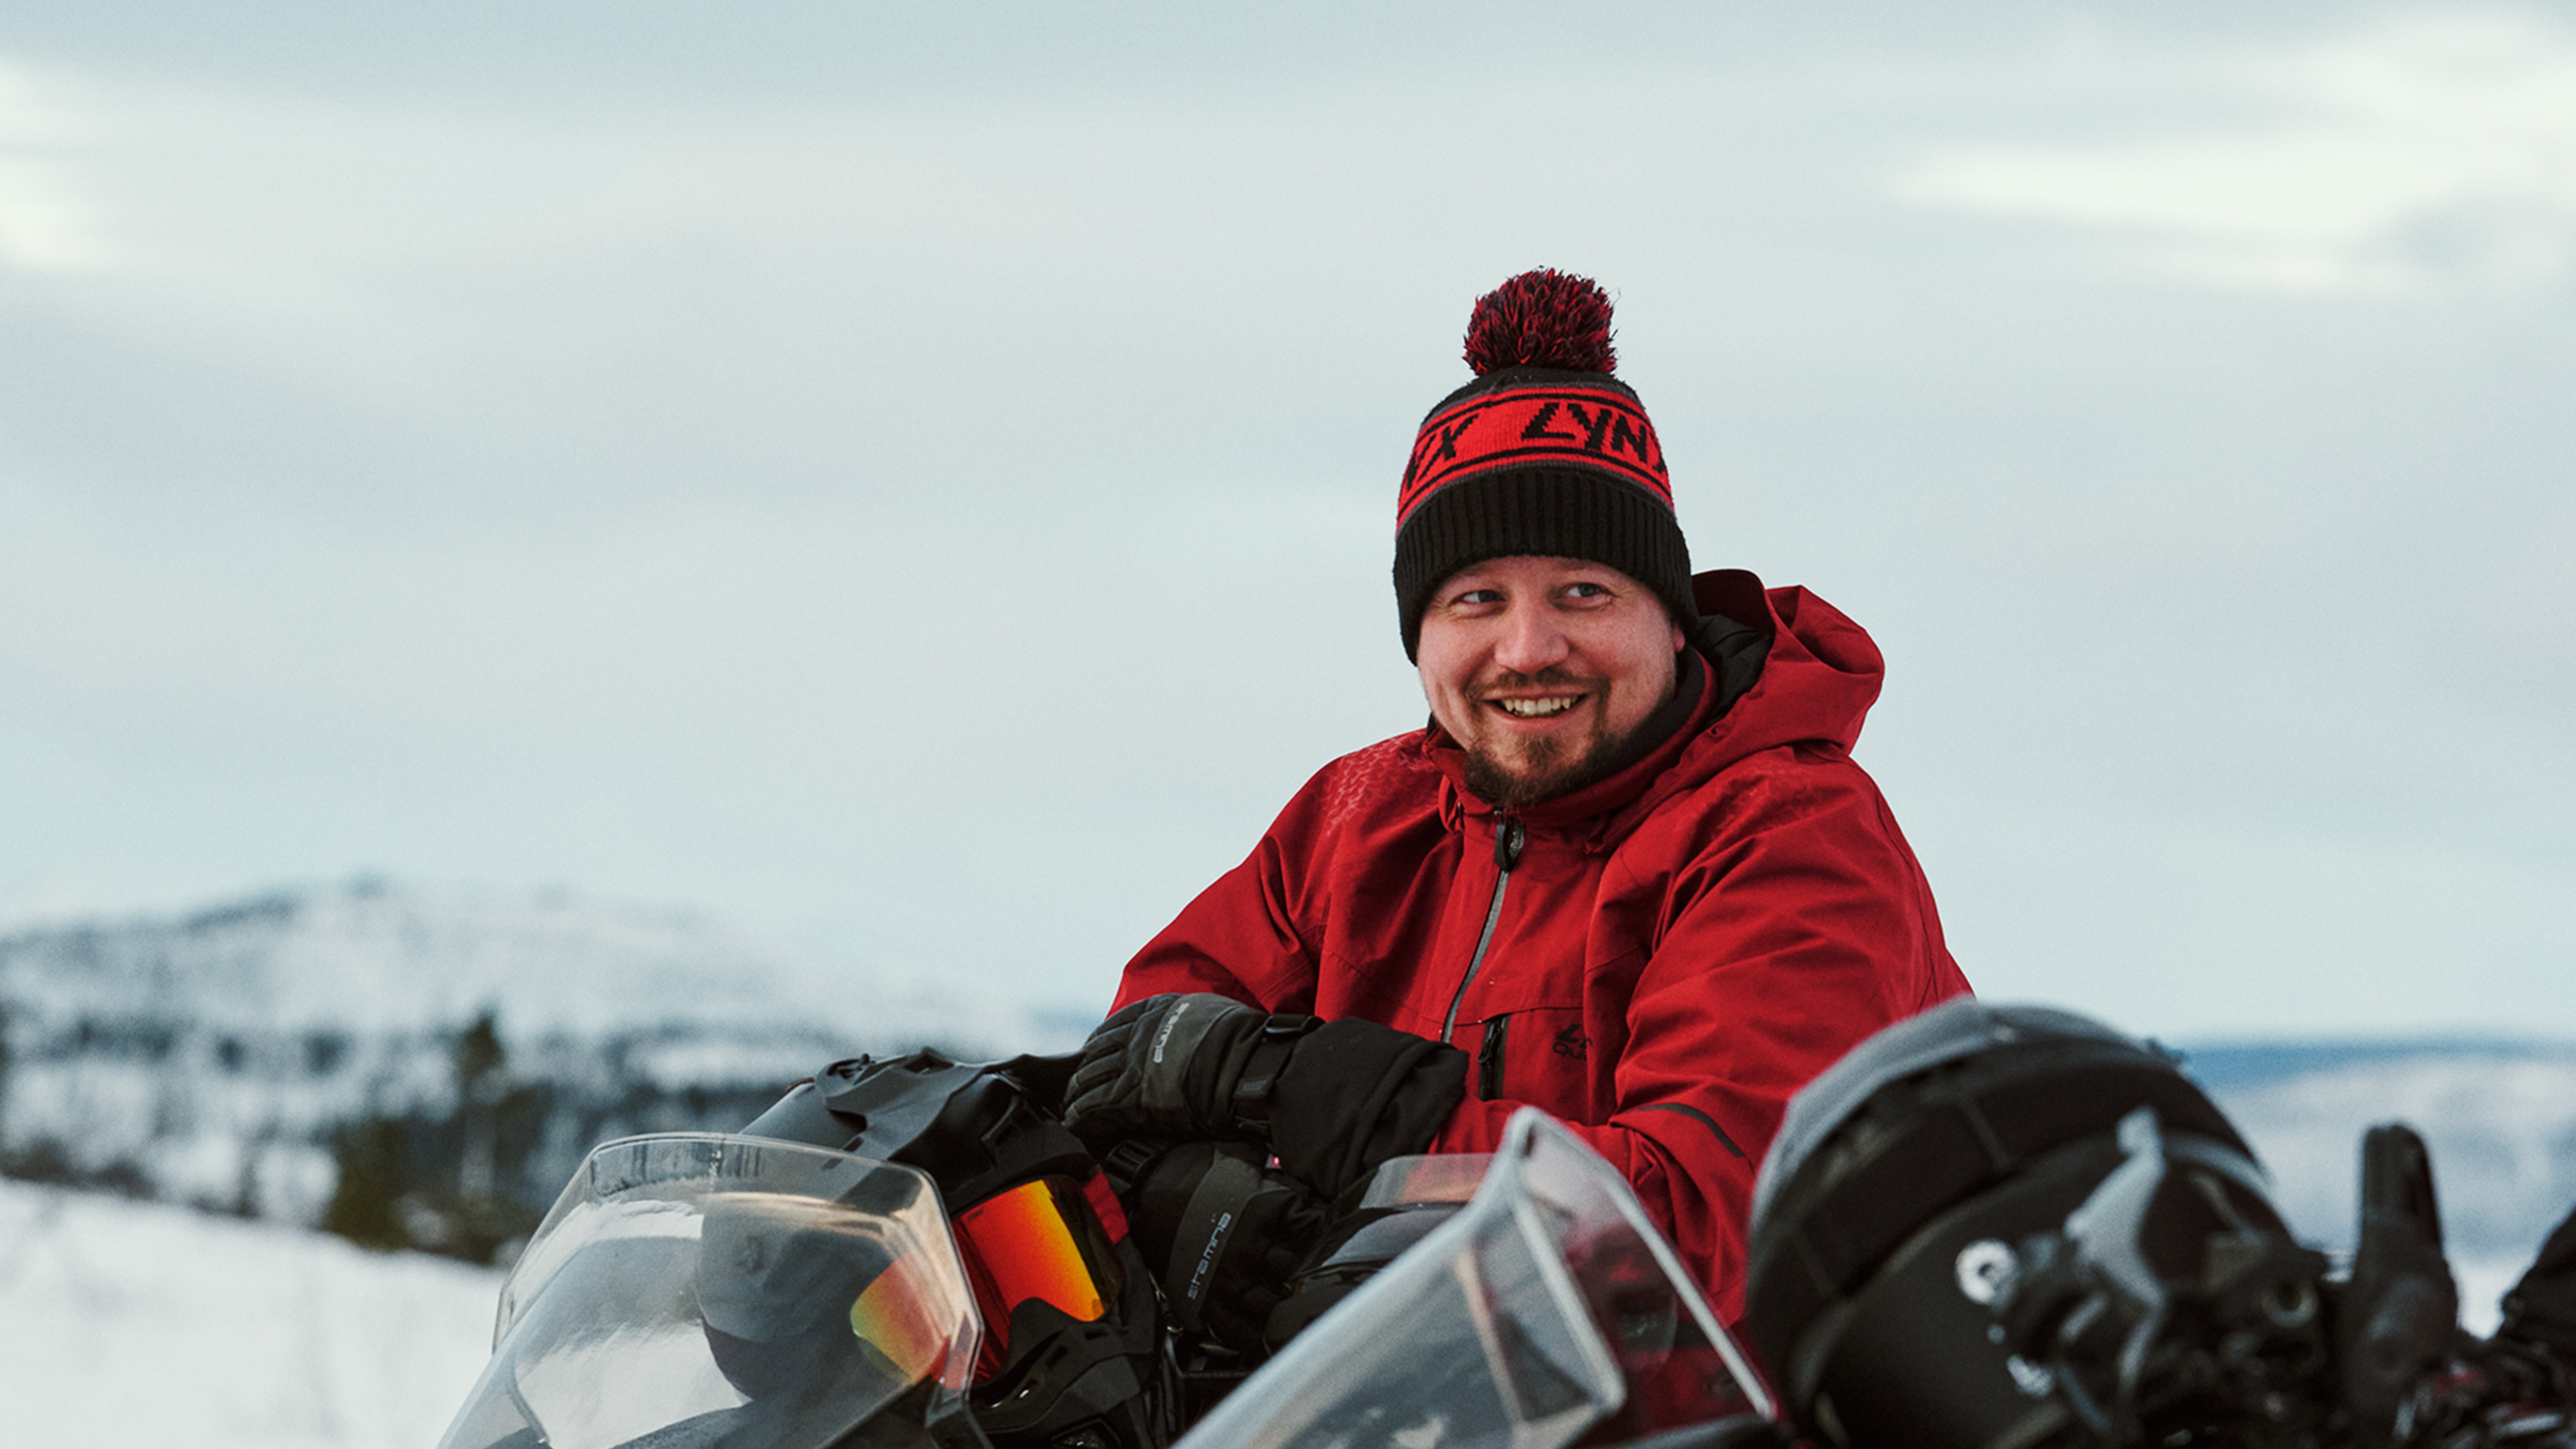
x=1537, y=708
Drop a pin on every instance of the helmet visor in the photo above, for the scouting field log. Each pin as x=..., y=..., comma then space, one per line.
x=693, y=1289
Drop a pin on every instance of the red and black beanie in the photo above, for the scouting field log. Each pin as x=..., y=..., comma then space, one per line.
x=1544, y=453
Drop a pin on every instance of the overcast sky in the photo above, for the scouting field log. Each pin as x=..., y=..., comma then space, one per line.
x=916, y=482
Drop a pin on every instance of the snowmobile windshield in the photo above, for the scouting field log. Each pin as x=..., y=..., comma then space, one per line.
x=1547, y=1312
x=696, y=1289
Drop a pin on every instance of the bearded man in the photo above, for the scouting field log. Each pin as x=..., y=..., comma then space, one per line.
x=1628, y=872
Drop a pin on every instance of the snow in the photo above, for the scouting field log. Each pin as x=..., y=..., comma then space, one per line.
x=140, y=1324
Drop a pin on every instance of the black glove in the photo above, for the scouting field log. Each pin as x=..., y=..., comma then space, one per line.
x=1332, y=1099
x=1173, y=1067
x=1223, y=1235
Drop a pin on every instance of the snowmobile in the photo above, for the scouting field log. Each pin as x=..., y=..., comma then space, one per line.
x=913, y=1252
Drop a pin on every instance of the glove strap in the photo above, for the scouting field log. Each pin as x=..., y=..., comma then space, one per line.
x=1250, y=1106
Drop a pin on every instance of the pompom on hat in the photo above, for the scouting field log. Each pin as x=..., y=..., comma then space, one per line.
x=1543, y=453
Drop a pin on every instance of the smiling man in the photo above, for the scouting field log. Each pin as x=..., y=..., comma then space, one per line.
x=1541, y=669
x=1628, y=872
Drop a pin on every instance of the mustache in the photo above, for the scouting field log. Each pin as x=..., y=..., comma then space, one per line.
x=1555, y=676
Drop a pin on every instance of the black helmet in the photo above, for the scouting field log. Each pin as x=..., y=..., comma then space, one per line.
x=1904, y=1189
x=1073, y=1354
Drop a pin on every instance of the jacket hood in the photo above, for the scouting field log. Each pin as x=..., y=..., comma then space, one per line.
x=1816, y=682
x=1820, y=678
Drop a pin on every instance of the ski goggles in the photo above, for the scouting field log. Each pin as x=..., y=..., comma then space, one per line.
x=1047, y=1241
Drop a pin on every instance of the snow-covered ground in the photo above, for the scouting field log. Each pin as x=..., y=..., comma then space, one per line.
x=125, y=1325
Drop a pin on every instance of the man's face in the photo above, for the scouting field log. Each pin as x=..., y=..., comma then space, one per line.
x=1541, y=668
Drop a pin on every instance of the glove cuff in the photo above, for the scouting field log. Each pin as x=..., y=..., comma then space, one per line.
x=1356, y=1093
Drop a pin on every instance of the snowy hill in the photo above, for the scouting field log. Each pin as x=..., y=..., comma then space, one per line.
x=371, y=958
x=226, y=1057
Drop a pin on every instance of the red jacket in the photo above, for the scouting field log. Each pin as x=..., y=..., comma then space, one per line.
x=1677, y=948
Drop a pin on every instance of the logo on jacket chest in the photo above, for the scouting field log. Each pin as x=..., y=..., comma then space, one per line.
x=1571, y=1042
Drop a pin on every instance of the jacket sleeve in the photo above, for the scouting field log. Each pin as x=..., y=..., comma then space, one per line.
x=1795, y=924
x=1239, y=937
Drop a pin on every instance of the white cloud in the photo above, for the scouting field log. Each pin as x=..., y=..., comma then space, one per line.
x=43, y=226
x=2423, y=152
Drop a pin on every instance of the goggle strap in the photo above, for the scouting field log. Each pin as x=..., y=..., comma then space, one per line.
x=1112, y=1213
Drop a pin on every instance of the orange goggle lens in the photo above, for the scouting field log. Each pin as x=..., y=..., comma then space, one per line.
x=1022, y=1246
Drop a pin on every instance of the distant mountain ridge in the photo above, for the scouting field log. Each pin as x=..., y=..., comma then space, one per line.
x=465, y=1048
x=370, y=956
x=2241, y=1064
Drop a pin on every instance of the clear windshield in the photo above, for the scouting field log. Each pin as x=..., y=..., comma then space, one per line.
x=1547, y=1311
x=696, y=1289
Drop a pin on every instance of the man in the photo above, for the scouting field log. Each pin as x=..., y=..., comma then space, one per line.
x=1628, y=872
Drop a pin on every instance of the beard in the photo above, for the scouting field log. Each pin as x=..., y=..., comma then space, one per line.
x=1542, y=769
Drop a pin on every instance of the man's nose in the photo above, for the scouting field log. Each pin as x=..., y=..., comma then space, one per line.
x=1531, y=640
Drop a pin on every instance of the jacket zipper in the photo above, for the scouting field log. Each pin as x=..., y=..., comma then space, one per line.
x=1489, y=1060
x=1507, y=853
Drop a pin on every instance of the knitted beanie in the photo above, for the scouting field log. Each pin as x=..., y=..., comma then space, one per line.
x=1544, y=453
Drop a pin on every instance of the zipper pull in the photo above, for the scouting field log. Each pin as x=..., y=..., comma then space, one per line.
x=1489, y=1061
x=1508, y=836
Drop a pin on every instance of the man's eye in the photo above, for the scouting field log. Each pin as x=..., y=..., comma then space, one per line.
x=1479, y=596
x=1587, y=591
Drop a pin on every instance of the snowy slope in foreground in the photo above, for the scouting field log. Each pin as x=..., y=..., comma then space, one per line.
x=134, y=1324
